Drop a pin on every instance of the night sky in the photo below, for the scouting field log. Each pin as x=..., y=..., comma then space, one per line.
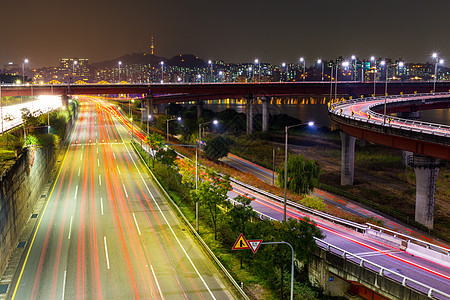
x=233, y=30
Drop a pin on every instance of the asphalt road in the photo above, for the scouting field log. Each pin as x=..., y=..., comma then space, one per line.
x=106, y=232
x=427, y=272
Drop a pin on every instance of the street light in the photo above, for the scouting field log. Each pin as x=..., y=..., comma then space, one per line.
x=285, y=162
x=284, y=65
x=73, y=68
x=259, y=69
x=167, y=122
x=319, y=61
x=302, y=60
x=354, y=67
x=162, y=71
x=220, y=76
x=250, y=74
x=23, y=70
x=385, y=65
x=120, y=63
x=199, y=77
x=437, y=61
x=211, y=68
x=372, y=58
x=345, y=64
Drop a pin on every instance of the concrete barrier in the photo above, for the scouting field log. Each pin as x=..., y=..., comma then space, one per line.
x=384, y=238
x=418, y=250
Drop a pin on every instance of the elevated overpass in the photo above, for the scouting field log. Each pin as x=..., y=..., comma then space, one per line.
x=365, y=119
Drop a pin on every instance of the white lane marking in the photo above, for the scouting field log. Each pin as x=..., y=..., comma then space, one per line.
x=106, y=253
x=76, y=192
x=99, y=179
x=126, y=194
x=98, y=162
x=157, y=283
x=97, y=148
x=137, y=226
x=118, y=169
x=114, y=155
x=70, y=227
x=170, y=227
x=101, y=204
x=79, y=170
x=81, y=157
x=64, y=284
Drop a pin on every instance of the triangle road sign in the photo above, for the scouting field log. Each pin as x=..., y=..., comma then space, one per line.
x=254, y=245
x=241, y=243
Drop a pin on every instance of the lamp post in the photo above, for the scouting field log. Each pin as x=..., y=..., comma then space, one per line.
x=373, y=58
x=199, y=77
x=437, y=61
x=215, y=122
x=220, y=76
x=302, y=60
x=286, y=160
x=73, y=68
x=284, y=65
x=345, y=64
x=119, y=63
x=259, y=69
x=319, y=61
x=23, y=70
x=331, y=82
x=354, y=67
x=385, y=64
x=250, y=74
x=167, y=122
x=162, y=71
x=211, y=69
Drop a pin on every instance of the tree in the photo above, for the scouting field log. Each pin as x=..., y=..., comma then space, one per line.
x=167, y=156
x=218, y=147
x=212, y=193
x=155, y=142
x=302, y=175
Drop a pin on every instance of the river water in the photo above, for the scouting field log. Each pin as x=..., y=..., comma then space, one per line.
x=311, y=108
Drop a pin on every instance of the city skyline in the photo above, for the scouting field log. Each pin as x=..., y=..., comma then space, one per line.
x=231, y=31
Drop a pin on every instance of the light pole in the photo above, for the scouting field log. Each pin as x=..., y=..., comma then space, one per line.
x=437, y=61
x=23, y=70
x=286, y=160
x=354, y=67
x=250, y=74
x=211, y=69
x=284, y=65
x=259, y=69
x=374, y=72
x=73, y=68
x=119, y=63
x=302, y=60
x=331, y=82
x=220, y=76
x=167, y=122
x=162, y=71
x=199, y=77
x=319, y=61
x=385, y=64
x=215, y=122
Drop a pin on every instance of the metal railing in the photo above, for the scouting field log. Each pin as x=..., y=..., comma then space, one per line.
x=382, y=271
x=410, y=125
x=410, y=239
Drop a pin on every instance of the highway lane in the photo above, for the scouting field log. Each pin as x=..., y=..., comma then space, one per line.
x=106, y=232
x=422, y=270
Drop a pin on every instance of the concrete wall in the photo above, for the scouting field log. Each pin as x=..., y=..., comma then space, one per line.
x=20, y=188
x=325, y=265
x=384, y=238
x=421, y=251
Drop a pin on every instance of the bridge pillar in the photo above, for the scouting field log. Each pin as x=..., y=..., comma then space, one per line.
x=347, y=158
x=199, y=109
x=411, y=115
x=265, y=114
x=249, y=113
x=426, y=169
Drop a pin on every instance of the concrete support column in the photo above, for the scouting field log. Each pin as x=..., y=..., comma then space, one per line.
x=265, y=113
x=347, y=159
x=249, y=114
x=199, y=109
x=411, y=115
x=426, y=169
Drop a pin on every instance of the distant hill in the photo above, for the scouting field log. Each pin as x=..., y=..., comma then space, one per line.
x=182, y=60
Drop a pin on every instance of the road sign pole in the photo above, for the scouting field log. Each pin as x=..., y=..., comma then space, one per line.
x=292, y=264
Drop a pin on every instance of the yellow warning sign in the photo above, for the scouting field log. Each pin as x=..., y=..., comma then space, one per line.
x=241, y=243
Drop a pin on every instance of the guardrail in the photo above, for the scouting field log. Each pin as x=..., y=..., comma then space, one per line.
x=430, y=128
x=382, y=271
x=410, y=239
x=357, y=227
